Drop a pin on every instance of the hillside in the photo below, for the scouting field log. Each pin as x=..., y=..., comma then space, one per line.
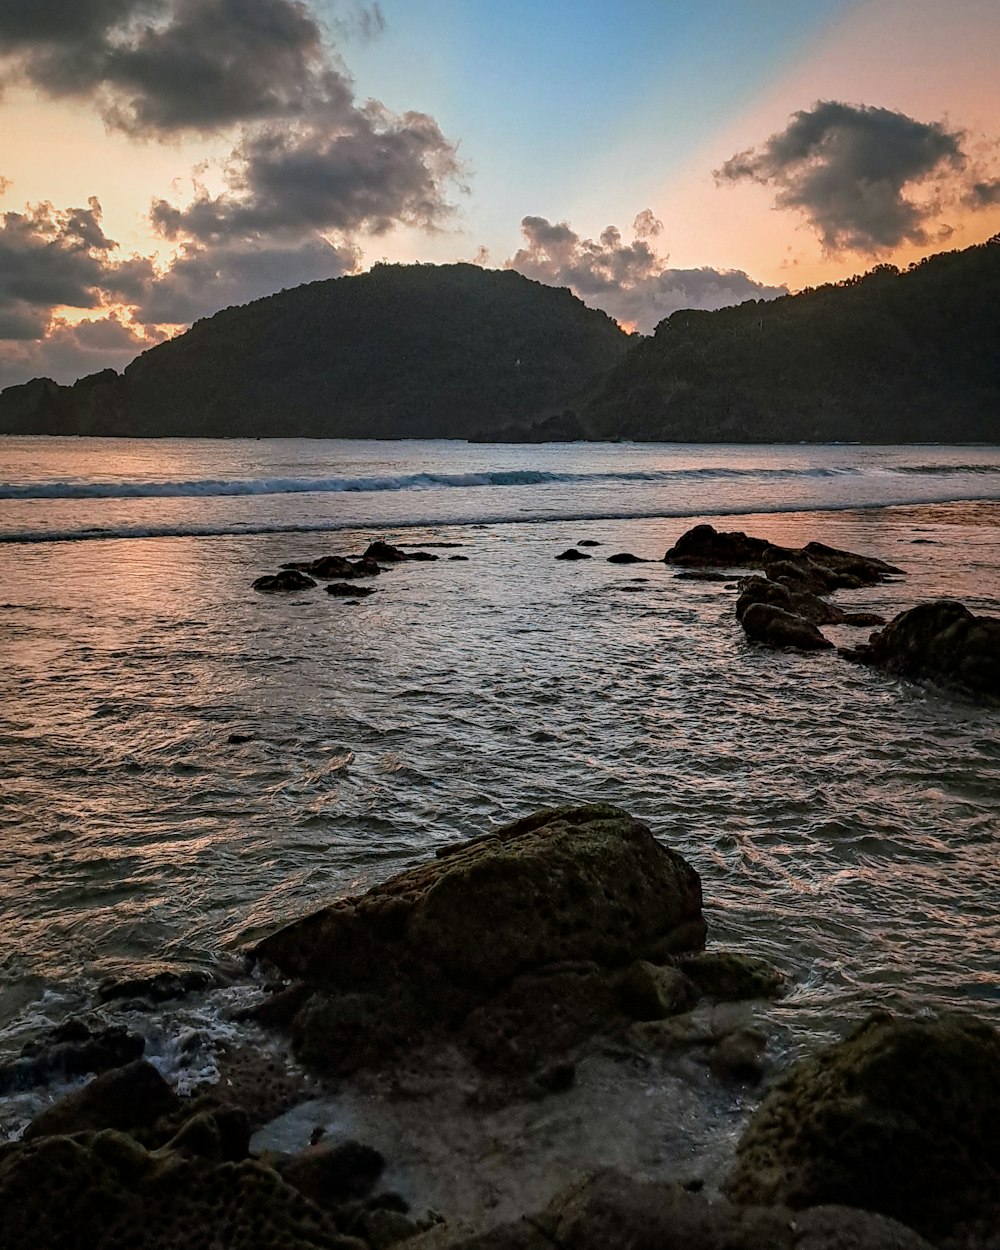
x=404, y=351
x=891, y=357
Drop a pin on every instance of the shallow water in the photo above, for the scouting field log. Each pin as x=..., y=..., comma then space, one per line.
x=844, y=824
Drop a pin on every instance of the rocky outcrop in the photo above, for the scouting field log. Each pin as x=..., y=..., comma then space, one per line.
x=903, y=1118
x=287, y=579
x=764, y=622
x=942, y=641
x=610, y=1210
x=799, y=600
x=705, y=547
x=386, y=553
x=512, y=942
x=131, y=1099
x=326, y=568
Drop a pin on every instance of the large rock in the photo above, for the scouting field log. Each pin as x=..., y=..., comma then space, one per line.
x=286, y=580
x=943, y=641
x=570, y=883
x=511, y=942
x=614, y=1212
x=903, y=1117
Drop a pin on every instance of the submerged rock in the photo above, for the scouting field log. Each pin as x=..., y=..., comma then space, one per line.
x=626, y=557
x=287, y=579
x=941, y=640
x=344, y=590
x=903, y=1117
x=386, y=553
x=764, y=622
x=572, y=553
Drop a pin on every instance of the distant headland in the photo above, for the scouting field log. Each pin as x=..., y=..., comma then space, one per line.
x=456, y=351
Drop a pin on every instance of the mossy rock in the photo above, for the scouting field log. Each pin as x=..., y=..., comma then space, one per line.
x=902, y=1117
x=565, y=884
x=730, y=976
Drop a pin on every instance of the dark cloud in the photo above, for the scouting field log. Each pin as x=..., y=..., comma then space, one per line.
x=50, y=258
x=366, y=170
x=160, y=67
x=630, y=281
x=983, y=194
x=850, y=168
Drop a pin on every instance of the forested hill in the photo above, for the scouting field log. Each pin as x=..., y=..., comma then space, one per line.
x=404, y=351
x=891, y=357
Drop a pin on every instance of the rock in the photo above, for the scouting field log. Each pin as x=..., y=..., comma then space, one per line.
x=571, y=883
x=702, y=575
x=728, y=976
x=344, y=590
x=942, y=641
x=610, y=1211
x=333, y=1175
x=902, y=1117
x=386, y=553
x=158, y=987
x=654, y=992
x=589, y=542
x=221, y=1134
x=458, y=557
x=287, y=579
x=540, y=1014
x=129, y=1098
x=739, y=1055
x=805, y=604
x=237, y=739
x=705, y=547
x=573, y=554
x=626, y=557
x=103, y=1191
x=764, y=622
x=511, y=939
x=71, y=1050
x=326, y=568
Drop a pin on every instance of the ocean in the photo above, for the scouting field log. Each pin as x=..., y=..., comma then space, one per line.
x=185, y=762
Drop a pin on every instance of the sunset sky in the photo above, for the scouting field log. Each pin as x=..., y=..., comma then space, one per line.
x=162, y=159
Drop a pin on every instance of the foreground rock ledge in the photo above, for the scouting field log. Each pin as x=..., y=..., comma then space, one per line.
x=514, y=937
x=902, y=1117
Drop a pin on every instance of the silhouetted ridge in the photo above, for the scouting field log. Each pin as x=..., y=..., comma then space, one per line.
x=404, y=351
x=890, y=357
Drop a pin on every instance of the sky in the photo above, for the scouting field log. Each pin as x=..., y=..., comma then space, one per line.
x=163, y=159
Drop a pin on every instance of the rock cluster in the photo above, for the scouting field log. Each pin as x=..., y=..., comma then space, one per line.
x=300, y=574
x=785, y=607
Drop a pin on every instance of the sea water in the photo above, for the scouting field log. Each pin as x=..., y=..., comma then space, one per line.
x=845, y=824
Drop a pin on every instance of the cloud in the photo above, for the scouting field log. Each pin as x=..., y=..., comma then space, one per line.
x=343, y=170
x=983, y=194
x=851, y=170
x=629, y=281
x=51, y=258
x=157, y=67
